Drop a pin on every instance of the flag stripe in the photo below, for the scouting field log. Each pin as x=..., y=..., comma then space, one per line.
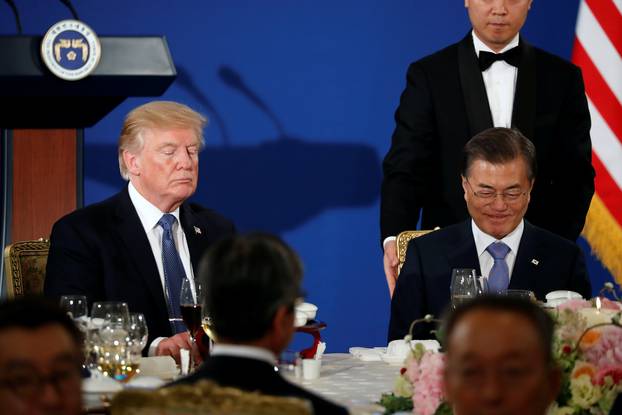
x=608, y=191
x=606, y=145
x=600, y=50
x=610, y=19
x=599, y=92
x=618, y=4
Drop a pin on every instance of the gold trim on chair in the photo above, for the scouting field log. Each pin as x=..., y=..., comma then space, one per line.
x=204, y=398
x=402, y=244
x=25, y=263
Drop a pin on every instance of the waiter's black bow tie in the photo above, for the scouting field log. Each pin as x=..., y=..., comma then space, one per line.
x=511, y=56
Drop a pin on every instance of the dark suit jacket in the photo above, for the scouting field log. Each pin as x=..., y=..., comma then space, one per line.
x=256, y=375
x=423, y=285
x=102, y=251
x=445, y=104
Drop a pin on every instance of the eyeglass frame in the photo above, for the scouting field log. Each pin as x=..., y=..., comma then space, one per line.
x=505, y=196
x=60, y=380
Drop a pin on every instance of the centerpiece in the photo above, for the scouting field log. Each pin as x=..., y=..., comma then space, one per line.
x=587, y=347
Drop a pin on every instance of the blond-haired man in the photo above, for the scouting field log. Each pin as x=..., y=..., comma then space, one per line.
x=139, y=245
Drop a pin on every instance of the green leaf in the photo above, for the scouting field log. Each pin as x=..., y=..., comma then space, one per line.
x=392, y=403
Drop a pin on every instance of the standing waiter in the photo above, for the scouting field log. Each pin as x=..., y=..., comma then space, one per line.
x=492, y=77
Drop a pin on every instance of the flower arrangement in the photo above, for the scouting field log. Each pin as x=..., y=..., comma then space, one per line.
x=587, y=347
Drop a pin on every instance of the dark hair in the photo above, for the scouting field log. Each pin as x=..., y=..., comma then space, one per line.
x=498, y=146
x=247, y=278
x=32, y=312
x=539, y=319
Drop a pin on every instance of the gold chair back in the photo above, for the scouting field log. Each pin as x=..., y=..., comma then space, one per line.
x=25, y=263
x=402, y=244
x=202, y=398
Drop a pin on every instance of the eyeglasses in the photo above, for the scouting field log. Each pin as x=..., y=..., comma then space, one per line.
x=489, y=195
x=28, y=383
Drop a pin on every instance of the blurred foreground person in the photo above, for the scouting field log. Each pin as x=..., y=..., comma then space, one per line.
x=252, y=283
x=499, y=358
x=40, y=358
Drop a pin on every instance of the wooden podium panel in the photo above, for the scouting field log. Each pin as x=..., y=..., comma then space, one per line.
x=45, y=180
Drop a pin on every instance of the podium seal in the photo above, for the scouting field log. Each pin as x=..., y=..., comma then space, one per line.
x=70, y=50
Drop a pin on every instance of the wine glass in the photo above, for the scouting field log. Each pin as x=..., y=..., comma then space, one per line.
x=191, y=304
x=464, y=285
x=111, y=320
x=136, y=341
x=76, y=307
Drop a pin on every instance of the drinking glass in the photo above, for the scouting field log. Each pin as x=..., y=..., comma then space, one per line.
x=136, y=342
x=76, y=307
x=464, y=285
x=191, y=305
x=525, y=294
x=290, y=364
x=111, y=319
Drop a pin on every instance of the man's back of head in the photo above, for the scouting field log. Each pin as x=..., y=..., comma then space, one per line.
x=252, y=283
x=499, y=358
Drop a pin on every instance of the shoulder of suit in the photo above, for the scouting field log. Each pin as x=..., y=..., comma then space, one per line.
x=440, y=57
x=547, y=237
x=208, y=214
x=93, y=212
x=549, y=59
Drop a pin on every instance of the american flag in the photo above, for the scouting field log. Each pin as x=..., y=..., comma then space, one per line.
x=598, y=51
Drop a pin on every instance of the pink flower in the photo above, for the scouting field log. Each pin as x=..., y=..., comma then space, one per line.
x=607, y=351
x=575, y=304
x=607, y=304
x=428, y=389
x=615, y=372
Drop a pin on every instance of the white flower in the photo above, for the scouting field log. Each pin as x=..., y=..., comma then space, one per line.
x=584, y=394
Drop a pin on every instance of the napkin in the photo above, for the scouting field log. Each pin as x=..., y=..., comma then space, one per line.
x=163, y=367
x=367, y=354
x=101, y=384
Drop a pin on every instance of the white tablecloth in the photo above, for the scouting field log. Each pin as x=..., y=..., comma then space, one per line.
x=352, y=382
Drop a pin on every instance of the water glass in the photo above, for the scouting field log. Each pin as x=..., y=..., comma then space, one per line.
x=464, y=285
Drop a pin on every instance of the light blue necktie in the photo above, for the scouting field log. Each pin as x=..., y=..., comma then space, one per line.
x=174, y=272
x=499, y=277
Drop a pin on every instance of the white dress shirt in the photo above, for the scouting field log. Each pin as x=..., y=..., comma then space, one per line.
x=500, y=81
x=250, y=352
x=149, y=216
x=483, y=240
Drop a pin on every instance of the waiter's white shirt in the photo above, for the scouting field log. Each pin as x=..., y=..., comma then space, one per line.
x=500, y=82
x=149, y=216
x=250, y=352
x=483, y=240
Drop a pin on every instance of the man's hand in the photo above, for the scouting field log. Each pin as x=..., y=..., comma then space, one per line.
x=172, y=345
x=390, y=264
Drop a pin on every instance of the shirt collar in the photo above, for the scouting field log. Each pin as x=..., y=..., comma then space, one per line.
x=479, y=45
x=483, y=240
x=148, y=213
x=250, y=352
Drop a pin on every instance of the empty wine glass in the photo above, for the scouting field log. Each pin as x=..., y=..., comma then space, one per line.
x=76, y=307
x=111, y=318
x=464, y=285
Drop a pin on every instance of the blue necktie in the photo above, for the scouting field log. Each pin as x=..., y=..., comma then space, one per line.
x=174, y=272
x=499, y=277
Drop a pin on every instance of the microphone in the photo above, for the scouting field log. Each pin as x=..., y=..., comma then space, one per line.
x=18, y=23
x=68, y=4
x=234, y=80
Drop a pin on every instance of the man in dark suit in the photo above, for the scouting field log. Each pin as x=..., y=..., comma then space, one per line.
x=498, y=174
x=493, y=77
x=252, y=283
x=139, y=245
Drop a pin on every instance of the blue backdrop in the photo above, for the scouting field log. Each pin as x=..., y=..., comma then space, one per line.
x=300, y=96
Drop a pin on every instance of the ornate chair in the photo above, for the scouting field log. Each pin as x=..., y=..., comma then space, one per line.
x=402, y=244
x=203, y=398
x=25, y=263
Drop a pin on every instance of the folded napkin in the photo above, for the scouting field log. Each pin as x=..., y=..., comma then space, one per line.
x=101, y=384
x=367, y=354
x=163, y=367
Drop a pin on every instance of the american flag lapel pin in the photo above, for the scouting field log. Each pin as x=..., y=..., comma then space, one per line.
x=535, y=261
x=197, y=230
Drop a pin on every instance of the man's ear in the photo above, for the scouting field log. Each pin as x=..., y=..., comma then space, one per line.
x=132, y=162
x=465, y=186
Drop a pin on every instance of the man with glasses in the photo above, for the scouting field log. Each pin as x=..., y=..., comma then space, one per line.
x=498, y=174
x=40, y=358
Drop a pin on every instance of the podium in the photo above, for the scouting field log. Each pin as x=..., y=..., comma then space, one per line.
x=43, y=119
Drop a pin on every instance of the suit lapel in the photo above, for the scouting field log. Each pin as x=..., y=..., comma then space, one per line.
x=525, y=275
x=132, y=234
x=197, y=234
x=463, y=253
x=523, y=113
x=473, y=88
